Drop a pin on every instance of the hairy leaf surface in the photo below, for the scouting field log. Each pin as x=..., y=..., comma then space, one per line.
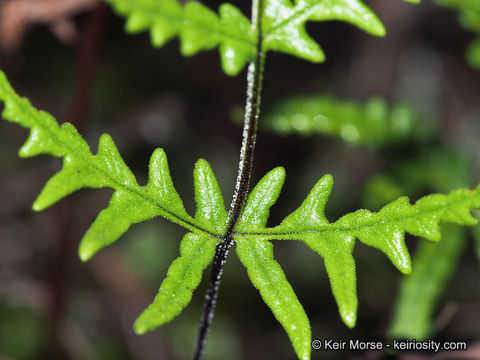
x=268, y=277
x=82, y=169
x=383, y=230
x=264, y=272
x=183, y=277
x=132, y=203
x=283, y=29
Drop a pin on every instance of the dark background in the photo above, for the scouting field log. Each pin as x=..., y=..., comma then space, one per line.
x=52, y=306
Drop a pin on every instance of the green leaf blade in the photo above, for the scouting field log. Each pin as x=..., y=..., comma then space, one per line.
x=284, y=24
x=200, y=28
x=257, y=207
x=123, y=211
x=421, y=219
x=183, y=277
x=312, y=211
x=209, y=199
x=130, y=203
x=351, y=11
x=335, y=248
x=161, y=190
x=383, y=230
x=268, y=277
x=234, y=52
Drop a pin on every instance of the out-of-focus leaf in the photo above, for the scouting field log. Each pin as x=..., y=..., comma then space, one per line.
x=198, y=27
x=434, y=264
x=22, y=332
x=468, y=12
x=437, y=169
x=284, y=23
x=469, y=18
x=473, y=54
x=476, y=235
x=283, y=26
x=373, y=123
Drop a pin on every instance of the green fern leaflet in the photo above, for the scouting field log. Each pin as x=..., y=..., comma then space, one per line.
x=199, y=28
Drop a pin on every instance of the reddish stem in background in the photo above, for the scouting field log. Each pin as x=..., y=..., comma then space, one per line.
x=87, y=55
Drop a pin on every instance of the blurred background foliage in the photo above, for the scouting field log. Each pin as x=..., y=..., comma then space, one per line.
x=387, y=117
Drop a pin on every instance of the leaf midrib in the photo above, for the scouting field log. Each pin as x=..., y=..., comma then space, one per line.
x=330, y=226
x=289, y=19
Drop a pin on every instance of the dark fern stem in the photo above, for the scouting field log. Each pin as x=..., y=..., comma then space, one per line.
x=252, y=110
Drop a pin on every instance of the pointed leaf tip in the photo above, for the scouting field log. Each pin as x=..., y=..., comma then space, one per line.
x=139, y=327
x=261, y=198
x=208, y=197
x=268, y=277
x=200, y=28
x=183, y=277
x=312, y=211
x=86, y=251
x=349, y=318
x=318, y=196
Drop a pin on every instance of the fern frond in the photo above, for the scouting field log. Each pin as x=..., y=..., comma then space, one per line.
x=283, y=29
x=130, y=203
x=383, y=230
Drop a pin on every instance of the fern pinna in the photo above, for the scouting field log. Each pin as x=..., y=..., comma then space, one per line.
x=276, y=25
